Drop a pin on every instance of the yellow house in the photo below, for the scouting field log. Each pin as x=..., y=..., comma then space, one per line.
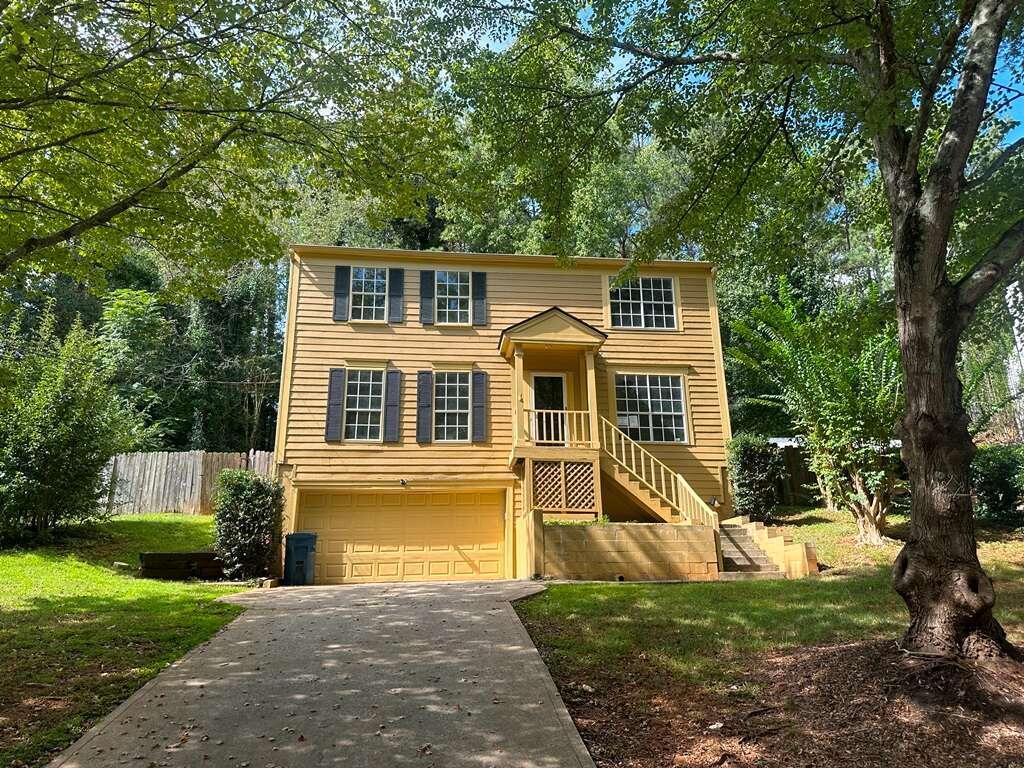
x=441, y=412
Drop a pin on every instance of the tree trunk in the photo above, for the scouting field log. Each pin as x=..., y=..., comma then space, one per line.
x=869, y=510
x=937, y=573
x=826, y=495
x=870, y=528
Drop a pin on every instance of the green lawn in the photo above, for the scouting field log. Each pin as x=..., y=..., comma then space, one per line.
x=78, y=636
x=705, y=632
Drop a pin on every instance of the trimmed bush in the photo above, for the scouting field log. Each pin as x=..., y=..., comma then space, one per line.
x=755, y=468
x=997, y=477
x=247, y=511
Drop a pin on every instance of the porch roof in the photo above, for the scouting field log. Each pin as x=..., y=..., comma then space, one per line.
x=552, y=327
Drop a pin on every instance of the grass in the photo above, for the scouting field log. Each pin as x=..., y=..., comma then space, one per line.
x=707, y=632
x=78, y=636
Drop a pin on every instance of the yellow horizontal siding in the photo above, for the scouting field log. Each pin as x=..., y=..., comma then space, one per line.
x=514, y=294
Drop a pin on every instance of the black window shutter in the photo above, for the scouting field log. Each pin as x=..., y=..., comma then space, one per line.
x=427, y=296
x=396, y=295
x=479, y=406
x=335, y=403
x=392, y=401
x=342, y=278
x=479, y=298
x=424, y=406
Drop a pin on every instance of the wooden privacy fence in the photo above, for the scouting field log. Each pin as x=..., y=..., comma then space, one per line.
x=799, y=486
x=170, y=481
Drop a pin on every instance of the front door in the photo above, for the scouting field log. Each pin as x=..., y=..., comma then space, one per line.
x=549, y=409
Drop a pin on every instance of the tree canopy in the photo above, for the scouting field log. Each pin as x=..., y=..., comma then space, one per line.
x=171, y=126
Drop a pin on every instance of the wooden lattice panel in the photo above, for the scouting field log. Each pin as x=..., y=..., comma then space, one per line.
x=564, y=486
x=547, y=485
x=579, y=486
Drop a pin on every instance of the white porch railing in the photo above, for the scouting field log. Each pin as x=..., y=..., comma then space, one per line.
x=655, y=475
x=570, y=429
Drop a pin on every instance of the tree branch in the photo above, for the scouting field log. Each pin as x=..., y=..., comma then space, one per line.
x=968, y=106
x=990, y=170
x=50, y=145
x=104, y=215
x=931, y=86
x=666, y=59
x=992, y=269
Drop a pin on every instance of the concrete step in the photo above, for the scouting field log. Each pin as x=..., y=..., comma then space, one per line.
x=740, y=555
x=738, y=543
x=737, y=565
x=744, y=551
x=755, y=560
x=750, y=575
x=735, y=534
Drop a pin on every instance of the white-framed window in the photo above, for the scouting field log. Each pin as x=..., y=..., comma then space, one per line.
x=451, y=406
x=647, y=302
x=452, y=297
x=651, y=408
x=364, y=405
x=369, y=293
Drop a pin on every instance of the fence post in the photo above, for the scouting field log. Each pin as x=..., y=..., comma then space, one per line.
x=112, y=489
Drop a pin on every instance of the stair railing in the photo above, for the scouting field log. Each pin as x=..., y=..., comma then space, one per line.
x=659, y=478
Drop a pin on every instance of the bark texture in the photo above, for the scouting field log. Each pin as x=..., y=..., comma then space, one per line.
x=948, y=594
x=870, y=529
x=870, y=510
x=937, y=573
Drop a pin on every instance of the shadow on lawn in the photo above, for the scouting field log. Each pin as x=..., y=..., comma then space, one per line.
x=699, y=629
x=67, y=661
x=796, y=520
x=123, y=538
x=800, y=673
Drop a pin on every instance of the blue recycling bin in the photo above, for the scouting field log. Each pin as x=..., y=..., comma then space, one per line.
x=299, y=559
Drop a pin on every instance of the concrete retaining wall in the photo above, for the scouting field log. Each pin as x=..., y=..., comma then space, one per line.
x=630, y=552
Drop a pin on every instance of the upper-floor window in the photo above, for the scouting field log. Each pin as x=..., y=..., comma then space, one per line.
x=452, y=297
x=650, y=408
x=364, y=405
x=647, y=302
x=451, y=406
x=369, y=293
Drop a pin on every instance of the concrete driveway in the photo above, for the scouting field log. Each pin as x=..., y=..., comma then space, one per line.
x=439, y=675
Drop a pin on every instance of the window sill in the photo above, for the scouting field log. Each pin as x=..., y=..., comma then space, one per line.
x=368, y=322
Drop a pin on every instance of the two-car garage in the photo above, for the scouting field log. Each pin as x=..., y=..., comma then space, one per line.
x=370, y=536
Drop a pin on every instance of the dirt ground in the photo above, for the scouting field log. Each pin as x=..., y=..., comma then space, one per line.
x=857, y=705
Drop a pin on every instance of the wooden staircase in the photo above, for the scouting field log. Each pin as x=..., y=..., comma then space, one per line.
x=639, y=491
x=650, y=481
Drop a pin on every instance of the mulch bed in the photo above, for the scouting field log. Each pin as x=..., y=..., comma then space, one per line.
x=859, y=705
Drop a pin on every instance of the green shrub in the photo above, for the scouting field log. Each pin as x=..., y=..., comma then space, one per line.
x=247, y=512
x=755, y=468
x=61, y=421
x=997, y=477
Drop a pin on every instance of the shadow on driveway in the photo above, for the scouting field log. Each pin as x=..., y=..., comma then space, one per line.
x=439, y=675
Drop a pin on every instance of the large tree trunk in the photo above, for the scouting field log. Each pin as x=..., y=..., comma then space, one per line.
x=937, y=573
